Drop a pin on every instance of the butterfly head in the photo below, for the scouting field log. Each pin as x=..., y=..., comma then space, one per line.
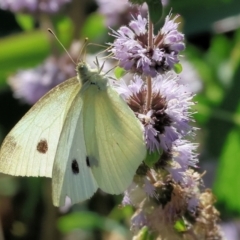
x=89, y=76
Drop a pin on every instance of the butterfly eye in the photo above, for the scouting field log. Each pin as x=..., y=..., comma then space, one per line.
x=42, y=146
x=87, y=161
x=75, y=168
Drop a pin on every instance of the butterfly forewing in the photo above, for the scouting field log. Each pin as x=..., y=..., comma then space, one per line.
x=29, y=149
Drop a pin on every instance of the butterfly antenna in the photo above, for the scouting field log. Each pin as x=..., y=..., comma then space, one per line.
x=101, y=68
x=82, y=54
x=97, y=63
x=100, y=45
x=109, y=70
x=50, y=30
x=109, y=55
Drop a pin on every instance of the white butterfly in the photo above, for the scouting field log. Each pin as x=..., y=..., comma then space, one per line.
x=82, y=134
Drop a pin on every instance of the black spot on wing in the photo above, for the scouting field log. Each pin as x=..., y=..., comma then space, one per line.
x=92, y=161
x=87, y=161
x=42, y=146
x=75, y=167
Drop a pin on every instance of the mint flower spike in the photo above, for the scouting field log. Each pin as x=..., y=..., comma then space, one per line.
x=168, y=192
x=131, y=47
x=169, y=117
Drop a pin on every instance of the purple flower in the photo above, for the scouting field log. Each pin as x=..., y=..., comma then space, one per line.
x=149, y=188
x=30, y=85
x=48, y=6
x=185, y=153
x=169, y=117
x=183, y=156
x=131, y=47
x=151, y=137
x=138, y=220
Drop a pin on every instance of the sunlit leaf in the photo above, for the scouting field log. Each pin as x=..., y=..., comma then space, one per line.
x=26, y=21
x=22, y=51
x=227, y=182
x=94, y=27
x=180, y=226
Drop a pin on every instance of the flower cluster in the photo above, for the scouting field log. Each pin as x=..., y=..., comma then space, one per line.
x=167, y=122
x=33, y=6
x=166, y=193
x=134, y=54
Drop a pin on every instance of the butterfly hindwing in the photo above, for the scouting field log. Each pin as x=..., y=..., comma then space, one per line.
x=29, y=149
x=72, y=175
x=113, y=137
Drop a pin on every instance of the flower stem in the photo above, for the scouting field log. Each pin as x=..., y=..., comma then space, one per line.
x=149, y=93
x=150, y=33
x=149, y=80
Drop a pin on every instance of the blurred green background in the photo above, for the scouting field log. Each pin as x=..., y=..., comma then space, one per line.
x=211, y=68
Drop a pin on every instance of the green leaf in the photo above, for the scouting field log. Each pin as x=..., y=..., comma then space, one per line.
x=144, y=234
x=22, y=51
x=64, y=27
x=152, y=158
x=119, y=72
x=226, y=186
x=155, y=10
x=180, y=225
x=88, y=221
x=83, y=220
x=121, y=213
x=94, y=27
x=177, y=68
x=26, y=21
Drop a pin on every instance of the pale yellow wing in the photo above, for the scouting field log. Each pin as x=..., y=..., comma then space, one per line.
x=114, y=138
x=72, y=176
x=29, y=149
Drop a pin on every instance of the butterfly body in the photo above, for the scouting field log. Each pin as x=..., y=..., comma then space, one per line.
x=82, y=134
